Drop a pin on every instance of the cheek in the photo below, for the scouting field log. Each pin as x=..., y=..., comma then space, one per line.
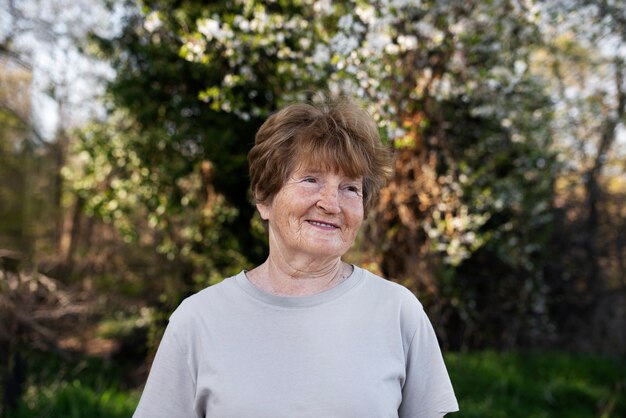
x=355, y=215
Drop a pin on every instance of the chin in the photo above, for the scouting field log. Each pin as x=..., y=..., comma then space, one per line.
x=327, y=252
x=321, y=248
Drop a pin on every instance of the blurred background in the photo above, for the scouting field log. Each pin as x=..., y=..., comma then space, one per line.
x=124, y=129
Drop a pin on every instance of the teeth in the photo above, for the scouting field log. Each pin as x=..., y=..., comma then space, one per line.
x=322, y=224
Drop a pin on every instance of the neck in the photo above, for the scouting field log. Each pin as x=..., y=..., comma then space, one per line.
x=298, y=278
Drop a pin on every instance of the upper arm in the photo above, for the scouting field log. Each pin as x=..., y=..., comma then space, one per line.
x=427, y=390
x=170, y=388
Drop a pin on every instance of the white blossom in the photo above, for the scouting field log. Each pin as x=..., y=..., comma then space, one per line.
x=377, y=42
x=392, y=49
x=209, y=28
x=367, y=14
x=345, y=22
x=407, y=43
x=321, y=55
x=344, y=44
x=323, y=7
x=153, y=22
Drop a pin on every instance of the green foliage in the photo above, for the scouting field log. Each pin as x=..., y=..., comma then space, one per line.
x=467, y=220
x=167, y=168
x=537, y=385
x=158, y=197
x=504, y=178
x=79, y=388
x=122, y=327
x=76, y=400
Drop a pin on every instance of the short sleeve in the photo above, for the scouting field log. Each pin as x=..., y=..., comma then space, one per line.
x=427, y=391
x=170, y=388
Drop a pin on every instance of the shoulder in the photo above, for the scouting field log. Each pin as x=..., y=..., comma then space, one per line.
x=202, y=304
x=389, y=290
x=397, y=307
x=394, y=299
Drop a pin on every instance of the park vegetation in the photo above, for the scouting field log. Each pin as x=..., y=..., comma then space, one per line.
x=505, y=213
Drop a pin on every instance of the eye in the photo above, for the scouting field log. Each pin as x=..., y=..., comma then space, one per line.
x=309, y=179
x=353, y=189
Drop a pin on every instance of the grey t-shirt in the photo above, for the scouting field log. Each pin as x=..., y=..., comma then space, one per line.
x=364, y=348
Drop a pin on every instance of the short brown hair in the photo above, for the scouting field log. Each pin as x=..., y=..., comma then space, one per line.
x=338, y=135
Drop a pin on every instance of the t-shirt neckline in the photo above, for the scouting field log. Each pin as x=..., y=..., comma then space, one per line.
x=300, y=301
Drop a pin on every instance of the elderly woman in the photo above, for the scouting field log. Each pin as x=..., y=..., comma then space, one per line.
x=304, y=334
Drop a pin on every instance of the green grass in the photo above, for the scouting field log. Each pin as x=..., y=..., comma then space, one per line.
x=487, y=384
x=86, y=387
x=538, y=385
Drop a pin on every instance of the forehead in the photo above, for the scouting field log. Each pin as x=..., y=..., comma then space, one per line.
x=311, y=167
x=328, y=161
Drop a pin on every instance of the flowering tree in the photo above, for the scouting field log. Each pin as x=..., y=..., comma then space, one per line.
x=449, y=85
x=455, y=99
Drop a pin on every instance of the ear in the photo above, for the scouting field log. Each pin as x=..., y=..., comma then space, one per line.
x=264, y=210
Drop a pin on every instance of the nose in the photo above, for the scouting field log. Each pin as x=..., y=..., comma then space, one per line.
x=329, y=199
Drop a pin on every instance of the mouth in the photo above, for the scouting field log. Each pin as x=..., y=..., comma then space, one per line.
x=325, y=225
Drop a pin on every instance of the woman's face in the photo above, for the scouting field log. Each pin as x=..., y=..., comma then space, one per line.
x=317, y=213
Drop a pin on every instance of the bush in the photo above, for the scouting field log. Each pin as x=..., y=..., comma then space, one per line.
x=83, y=387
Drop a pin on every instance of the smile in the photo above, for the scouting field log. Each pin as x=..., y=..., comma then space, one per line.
x=323, y=224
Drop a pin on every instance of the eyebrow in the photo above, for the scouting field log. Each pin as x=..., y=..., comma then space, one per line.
x=316, y=171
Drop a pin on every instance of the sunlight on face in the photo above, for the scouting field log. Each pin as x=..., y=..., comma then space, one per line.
x=317, y=213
